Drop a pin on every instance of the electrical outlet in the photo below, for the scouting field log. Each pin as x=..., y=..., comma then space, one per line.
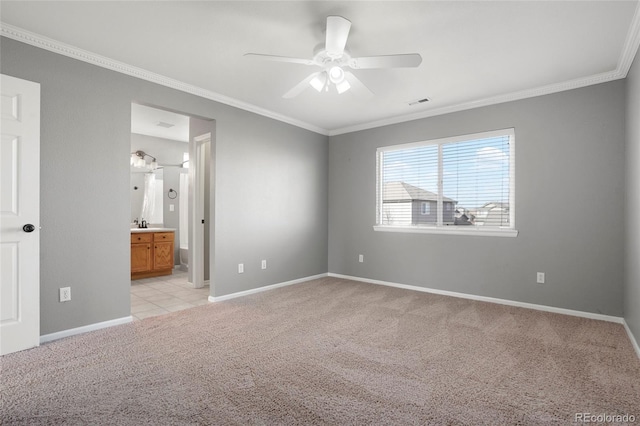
x=540, y=277
x=171, y=207
x=240, y=268
x=65, y=294
x=264, y=264
x=360, y=258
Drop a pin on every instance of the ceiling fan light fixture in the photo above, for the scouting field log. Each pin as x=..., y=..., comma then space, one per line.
x=336, y=75
x=343, y=86
x=319, y=81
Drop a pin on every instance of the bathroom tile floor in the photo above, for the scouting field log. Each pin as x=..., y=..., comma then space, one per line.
x=160, y=295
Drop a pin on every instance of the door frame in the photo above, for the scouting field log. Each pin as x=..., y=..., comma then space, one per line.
x=197, y=184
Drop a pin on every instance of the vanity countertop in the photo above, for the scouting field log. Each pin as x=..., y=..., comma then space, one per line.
x=138, y=230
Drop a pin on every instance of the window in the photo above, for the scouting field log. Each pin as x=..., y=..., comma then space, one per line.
x=459, y=185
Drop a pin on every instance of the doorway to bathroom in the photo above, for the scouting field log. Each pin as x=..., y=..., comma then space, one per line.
x=171, y=164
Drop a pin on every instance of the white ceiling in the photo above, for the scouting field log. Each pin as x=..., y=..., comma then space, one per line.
x=145, y=120
x=474, y=53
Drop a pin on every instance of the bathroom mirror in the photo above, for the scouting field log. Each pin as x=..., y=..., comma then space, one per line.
x=147, y=190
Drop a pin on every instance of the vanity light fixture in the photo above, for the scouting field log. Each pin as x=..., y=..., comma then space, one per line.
x=138, y=160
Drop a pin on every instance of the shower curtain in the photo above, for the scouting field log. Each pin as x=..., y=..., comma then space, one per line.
x=151, y=209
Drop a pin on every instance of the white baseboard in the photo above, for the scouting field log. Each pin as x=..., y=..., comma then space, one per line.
x=537, y=307
x=205, y=283
x=79, y=330
x=634, y=342
x=265, y=288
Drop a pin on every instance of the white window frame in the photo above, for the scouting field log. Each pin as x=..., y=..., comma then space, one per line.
x=425, y=211
x=511, y=231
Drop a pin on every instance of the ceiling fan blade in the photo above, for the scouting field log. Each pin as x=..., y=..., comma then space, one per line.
x=337, y=33
x=358, y=87
x=279, y=58
x=300, y=87
x=410, y=60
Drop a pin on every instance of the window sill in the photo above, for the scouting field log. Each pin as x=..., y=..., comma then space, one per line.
x=448, y=230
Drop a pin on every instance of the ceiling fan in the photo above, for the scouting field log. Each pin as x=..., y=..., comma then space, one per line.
x=333, y=60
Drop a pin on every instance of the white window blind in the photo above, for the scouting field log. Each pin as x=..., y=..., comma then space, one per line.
x=464, y=183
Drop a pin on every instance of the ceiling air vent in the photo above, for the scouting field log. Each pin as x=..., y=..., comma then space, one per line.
x=419, y=101
x=165, y=125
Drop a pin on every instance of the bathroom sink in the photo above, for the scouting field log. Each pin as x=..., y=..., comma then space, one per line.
x=154, y=229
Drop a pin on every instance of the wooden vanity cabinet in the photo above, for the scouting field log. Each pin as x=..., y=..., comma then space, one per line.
x=151, y=254
x=162, y=250
x=141, y=252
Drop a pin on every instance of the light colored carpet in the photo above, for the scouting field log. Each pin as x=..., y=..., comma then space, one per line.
x=329, y=351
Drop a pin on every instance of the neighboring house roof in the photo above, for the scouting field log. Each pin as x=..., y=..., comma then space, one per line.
x=402, y=191
x=493, y=213
x=489, y=207
x=495, y=204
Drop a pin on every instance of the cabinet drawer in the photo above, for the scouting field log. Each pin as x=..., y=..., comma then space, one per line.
x=141, y=237
x=163, y=236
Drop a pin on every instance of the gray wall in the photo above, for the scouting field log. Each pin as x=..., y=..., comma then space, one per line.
x=632, y=246
x=569, y=206
x=265, y=171
x=274, y=205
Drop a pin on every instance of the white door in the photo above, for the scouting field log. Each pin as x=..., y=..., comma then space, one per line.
x=19, y=215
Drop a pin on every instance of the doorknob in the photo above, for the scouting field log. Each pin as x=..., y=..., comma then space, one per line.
x=28, y=228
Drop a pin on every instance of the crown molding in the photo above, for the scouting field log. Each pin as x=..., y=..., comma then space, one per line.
x=494, y=100
x=631, y=44
x=627, y=56
x=37, y=40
